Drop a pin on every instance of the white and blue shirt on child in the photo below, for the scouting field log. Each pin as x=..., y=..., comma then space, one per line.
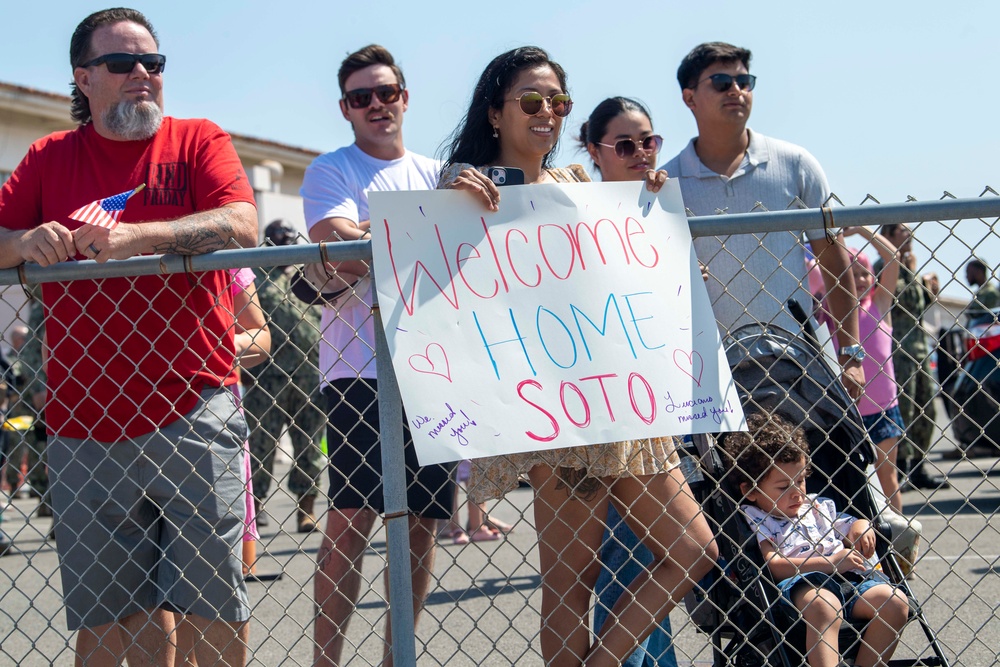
x=818, y=530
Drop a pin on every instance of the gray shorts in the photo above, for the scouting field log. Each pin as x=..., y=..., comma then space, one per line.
x=156, y=521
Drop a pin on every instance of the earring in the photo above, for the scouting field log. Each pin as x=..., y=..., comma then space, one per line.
x=496, y=134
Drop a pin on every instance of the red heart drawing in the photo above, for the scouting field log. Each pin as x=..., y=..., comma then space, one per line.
x=422, y=363
x=683, y=361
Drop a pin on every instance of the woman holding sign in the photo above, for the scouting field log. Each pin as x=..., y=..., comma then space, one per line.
x=619, y=138
x=513, y=123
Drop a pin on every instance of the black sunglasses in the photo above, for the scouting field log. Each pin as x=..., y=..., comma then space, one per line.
x=124, y=63
x=723, y=82
x=531, y=103
x=627, y=147
x=360, y=98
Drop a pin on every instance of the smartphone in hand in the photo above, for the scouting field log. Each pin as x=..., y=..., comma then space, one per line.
x=506, y=176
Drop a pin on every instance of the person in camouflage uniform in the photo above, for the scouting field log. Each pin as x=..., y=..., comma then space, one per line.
x=987, y=295
x=911, y=360
x=29, y=401
x=5, y=371
x=281, y=393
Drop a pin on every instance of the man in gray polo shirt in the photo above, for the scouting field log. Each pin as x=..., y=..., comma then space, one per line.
x=729, y=168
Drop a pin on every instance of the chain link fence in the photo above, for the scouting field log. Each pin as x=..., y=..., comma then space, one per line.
x=484, y=605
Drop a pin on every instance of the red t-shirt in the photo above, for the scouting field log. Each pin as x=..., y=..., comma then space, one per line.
x=127, y=355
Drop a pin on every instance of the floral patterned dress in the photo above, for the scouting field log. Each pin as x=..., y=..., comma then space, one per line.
x=493, y=476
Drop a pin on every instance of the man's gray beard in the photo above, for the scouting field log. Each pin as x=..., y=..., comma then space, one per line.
x=133, y=121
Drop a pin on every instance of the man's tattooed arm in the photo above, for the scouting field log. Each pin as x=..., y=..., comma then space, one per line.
x=199, y=233
x=231, y=226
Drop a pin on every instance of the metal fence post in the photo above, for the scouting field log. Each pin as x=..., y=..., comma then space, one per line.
x=397, y=518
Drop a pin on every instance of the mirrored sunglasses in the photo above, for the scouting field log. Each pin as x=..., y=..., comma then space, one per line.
x=723, y=82
x=531, y=103
x=361, y=98
x=124, y=63
x=625, y=148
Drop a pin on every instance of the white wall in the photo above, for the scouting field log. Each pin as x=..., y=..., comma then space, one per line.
x=273, y=205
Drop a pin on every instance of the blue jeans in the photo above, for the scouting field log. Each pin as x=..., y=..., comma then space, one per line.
x=834, y=585
x=622, y=559
x=884, y=425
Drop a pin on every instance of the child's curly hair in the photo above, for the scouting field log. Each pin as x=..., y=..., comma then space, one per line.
x=771, y=439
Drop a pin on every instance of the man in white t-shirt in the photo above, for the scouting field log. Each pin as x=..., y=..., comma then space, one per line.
x=335, y=193
x=729, y=168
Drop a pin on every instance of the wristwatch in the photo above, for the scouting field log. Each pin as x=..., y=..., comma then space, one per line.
x=855, y=352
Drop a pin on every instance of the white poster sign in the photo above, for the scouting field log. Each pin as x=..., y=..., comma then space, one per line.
x=574, y=315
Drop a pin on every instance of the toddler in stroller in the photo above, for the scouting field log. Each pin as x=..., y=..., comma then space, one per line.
x=823, y=559
x=738, y=605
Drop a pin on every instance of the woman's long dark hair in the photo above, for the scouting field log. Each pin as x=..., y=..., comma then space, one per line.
x=472, y=142
x=596, y=126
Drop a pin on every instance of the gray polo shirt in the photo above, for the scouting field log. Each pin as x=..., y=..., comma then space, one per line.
x=753, y=275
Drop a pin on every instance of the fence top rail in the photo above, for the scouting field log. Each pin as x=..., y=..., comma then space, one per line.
x=165, y=264
x=845, y=216
x=709, y=225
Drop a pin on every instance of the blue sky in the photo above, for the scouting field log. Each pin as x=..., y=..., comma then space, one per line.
x=893, y=98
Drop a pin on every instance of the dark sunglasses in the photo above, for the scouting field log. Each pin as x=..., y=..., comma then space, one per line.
x=627, y=147
x=124, y=63
x=531, y=103
x=723, y=82
x=360, y=98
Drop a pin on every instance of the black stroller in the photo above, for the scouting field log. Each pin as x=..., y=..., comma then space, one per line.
x=738, y=604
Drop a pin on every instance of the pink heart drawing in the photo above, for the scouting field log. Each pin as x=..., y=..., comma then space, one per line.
x=422, y=363
x=684, y=361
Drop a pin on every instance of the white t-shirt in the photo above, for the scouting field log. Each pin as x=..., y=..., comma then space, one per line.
x=818, y=530
x=336, y=185
x=753, y=275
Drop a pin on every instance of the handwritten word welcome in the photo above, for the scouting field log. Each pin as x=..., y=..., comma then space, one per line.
x=553, y=252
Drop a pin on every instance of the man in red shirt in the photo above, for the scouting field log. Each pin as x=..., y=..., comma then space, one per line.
x=145, y=439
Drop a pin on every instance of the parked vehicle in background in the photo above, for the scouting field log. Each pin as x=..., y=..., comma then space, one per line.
x=967, y=365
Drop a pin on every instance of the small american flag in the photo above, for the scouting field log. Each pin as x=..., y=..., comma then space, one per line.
x=104, y=212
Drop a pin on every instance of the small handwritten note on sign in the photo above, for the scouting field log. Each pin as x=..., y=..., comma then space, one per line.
x=574, y=315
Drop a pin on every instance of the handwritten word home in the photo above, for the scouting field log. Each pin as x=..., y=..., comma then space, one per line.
x=573, y=315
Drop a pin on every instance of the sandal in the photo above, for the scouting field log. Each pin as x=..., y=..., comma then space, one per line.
x=446, y=528
x=484, y=534
x=499, y=526
x=458, y=536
